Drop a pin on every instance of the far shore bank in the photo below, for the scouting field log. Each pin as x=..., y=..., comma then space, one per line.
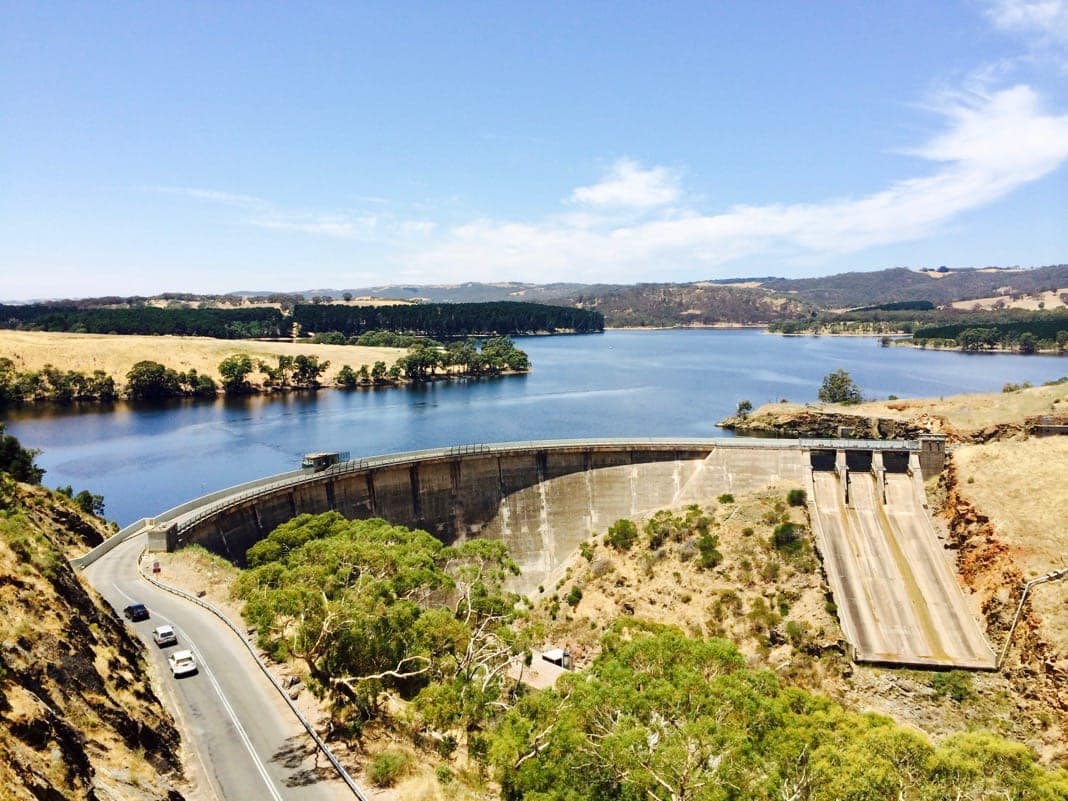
x=32, y=355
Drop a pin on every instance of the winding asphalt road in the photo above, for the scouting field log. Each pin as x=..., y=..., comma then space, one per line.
x=245, y=741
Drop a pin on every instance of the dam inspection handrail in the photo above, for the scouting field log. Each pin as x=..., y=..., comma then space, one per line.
x=1056, y=575
x=388, y=460
x=473, y=449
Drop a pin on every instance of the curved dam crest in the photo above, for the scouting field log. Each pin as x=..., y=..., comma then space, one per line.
x=541, y=500
x=898, y=597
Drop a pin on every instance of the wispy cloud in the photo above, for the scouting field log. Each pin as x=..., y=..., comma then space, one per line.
x=990, y=146
x=214, y=196
x=329, y=225
x=1045, y=19
x=637, y=223
x=629, y=185
x=346, y=224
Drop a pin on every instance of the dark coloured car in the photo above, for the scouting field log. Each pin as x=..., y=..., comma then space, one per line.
x=136, y=612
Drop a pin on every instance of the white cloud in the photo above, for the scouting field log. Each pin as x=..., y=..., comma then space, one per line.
x=629, y=185
x=991, y=146
x=213, y=196
x=334, y=226
x=1048, y=19
x=634, y=224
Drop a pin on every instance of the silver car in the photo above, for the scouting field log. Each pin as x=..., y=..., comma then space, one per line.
x=182, y=663
x=164, y=636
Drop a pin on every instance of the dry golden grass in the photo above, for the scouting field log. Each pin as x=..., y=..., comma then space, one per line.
x=1022, y=486
x=974, y=412
x=953, y=413
x=368, y=301
x=115, y=354
x=197, y=570
x=1049, y=300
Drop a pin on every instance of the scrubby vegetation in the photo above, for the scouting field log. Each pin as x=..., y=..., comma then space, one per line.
x=390, y=626
x=50, y=383
x=1009, y=329
x=78, y=716
x=661, y=715
x=373, y=610
x=151, y=380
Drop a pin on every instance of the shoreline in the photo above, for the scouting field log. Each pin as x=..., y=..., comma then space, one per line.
x=257, y=392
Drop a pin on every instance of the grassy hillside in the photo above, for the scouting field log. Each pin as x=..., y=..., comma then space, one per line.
x=78, y=716
x=736, y=300
x=849, y=290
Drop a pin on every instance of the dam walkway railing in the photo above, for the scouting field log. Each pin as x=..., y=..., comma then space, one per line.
x=191, y=512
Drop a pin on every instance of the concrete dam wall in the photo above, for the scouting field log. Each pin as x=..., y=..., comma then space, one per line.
x=898, y=597
x=541, y=499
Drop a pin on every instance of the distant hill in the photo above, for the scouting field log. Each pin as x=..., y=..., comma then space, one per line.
x=744, y=300
x=734, y=300
x=850, y=290
x=688, y=304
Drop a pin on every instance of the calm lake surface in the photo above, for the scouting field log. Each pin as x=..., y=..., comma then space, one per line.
x=145, y=459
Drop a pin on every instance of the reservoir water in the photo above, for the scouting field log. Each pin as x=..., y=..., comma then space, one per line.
x=147, y=458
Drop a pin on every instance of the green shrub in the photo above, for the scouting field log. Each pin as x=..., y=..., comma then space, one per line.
x=710, y=556
x=574, y=596
x=955, y=684
x=786, y=537
x=444, y=775
x=386, y=768
x=726, y=497
x=622, y=535
x=796, y=497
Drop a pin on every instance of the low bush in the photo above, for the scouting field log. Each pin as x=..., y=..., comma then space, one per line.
x=388, y=767
x=622, y=535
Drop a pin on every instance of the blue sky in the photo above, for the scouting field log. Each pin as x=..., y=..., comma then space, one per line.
x=215, y=147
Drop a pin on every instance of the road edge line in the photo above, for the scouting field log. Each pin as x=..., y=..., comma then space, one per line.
x=338, y=767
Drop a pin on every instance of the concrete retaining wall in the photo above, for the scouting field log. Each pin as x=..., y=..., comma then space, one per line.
x=541, y=501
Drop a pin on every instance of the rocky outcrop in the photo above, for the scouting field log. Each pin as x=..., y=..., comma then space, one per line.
x=807, y=422
x=804, y=421
x=1045, y=424
x=78, y=716
x=988, y=568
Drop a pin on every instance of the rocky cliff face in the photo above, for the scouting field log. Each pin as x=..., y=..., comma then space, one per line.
x=793, y=421
x=78, y=717
x=987, y=566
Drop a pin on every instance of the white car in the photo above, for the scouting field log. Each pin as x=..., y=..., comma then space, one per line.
x=164, y=636
x=182, y=663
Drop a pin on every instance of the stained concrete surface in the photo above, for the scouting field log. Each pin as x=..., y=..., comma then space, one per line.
x=898, y=599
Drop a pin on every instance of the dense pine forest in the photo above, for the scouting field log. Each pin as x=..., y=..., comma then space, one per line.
x=442, y=320
x=219, y=323
x=447, y=320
